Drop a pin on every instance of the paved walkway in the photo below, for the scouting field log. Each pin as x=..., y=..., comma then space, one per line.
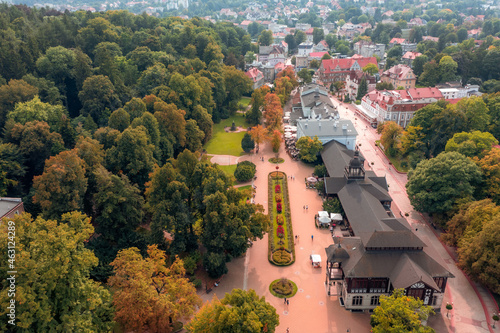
x=470, y=300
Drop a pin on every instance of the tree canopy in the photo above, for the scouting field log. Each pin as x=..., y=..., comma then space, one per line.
x=437, y=184
x=400, y=313
x=53, y=289
x=236, y=310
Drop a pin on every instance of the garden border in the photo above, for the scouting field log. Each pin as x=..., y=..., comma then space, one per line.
x=288, y=218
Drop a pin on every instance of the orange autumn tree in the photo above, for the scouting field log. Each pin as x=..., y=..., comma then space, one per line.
x=148, y=295
x=276, y=139
x=258, y=134
x=273, y=112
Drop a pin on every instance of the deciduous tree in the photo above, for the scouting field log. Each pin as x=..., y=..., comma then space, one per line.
x=53, y=289
x=133, y=155
x=273, y=112
x=62, y=185
x=390, y=135
x=99, y=98
x=437, y=184
x=258, y=134
x=400, y=313
x=490, y=166
x=148, y=295
x=471, y=144
x=309, y=148
x=239, y=309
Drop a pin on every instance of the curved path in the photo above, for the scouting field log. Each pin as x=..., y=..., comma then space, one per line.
x=473, y=304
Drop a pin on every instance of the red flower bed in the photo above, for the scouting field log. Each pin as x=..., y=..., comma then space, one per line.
x=280, y=232
x=278, y=207
x=277, y=189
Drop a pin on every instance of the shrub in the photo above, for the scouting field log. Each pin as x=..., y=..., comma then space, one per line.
x=320, y=170
x=247, y=144
x=283, y=287
x=281, y=257
x=244, y=171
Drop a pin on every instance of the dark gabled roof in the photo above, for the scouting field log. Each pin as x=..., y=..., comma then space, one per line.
x=334, y=184
x=406, y=273
x=336, y=253
x=335, y=157
x=393, y=238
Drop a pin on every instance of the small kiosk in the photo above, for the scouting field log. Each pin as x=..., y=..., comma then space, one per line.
x=315, y=260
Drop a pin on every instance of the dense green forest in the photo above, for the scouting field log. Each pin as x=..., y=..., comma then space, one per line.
x=103, y=119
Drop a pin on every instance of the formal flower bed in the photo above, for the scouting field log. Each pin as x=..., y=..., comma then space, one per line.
x=281, y=246
x=283, y=288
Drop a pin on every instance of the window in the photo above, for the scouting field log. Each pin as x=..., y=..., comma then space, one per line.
x=357, y=300
x=378, y=286
x=359, y=285
x=434, y=300
x=375, y=301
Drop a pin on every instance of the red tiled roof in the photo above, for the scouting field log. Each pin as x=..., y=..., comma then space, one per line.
x=428, y=92
x=317, y=54
x=254, y=74
x=397, y=41
x=399, y=71
x=411, y=55
x=309, y=31
x=330, y=65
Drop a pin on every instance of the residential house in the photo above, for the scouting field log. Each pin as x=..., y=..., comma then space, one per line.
x=269, y=72
x=417, y=22
x=256, y=76
x=332, y=70
x=309, y=35
x=434, y=39
x=305, y=49
x=302, y=26
x=350, y=30
x=276, y=55
x=396, y=41
x=378, y=252
x=353, y=81
x=409, y=56
x=10, y=207
x=396, y=105
x=369, y=49
x=264, y=51
x=408, y=47
x=321, y=46
x=301, y=61
x=244, y=25
x=400, y=76
x=316, y=55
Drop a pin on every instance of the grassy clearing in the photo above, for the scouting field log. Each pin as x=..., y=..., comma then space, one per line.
x=228, y=169
x=226, y=143
x=396, y=161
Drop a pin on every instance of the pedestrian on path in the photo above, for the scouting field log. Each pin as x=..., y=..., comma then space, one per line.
x=287, y=302
x=298, y=238
x=307, y=208
x=312, y=237
x=284, y=301
x=295, y=238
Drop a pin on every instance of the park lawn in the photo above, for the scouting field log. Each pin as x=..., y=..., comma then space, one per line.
x=228, y=169
x=244, y=101
x=226, y=143
x=396, y=161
